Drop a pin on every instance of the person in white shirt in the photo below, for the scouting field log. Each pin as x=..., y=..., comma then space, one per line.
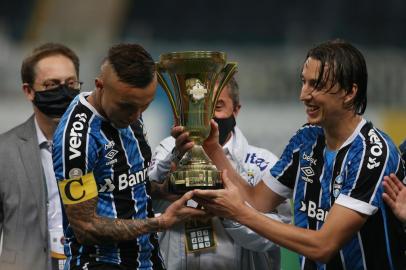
x=238, y=247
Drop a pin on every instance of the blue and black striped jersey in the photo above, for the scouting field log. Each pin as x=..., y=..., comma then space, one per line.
x=351, y=177
x=402, y=148
x=117, y=159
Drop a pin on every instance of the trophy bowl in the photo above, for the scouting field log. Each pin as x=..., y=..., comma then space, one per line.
x=196, y=81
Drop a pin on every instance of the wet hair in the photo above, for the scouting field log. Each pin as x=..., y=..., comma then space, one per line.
x=41, y=52
x=132, y=64
x=349, y=68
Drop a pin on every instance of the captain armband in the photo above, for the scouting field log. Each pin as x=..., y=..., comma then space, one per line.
x=77, y=190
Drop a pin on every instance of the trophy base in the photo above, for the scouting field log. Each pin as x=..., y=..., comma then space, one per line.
x=182, y=181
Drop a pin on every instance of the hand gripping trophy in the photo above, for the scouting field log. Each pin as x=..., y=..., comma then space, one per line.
x=193, y=94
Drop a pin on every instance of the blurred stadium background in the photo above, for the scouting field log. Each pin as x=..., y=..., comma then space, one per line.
x=269, y=40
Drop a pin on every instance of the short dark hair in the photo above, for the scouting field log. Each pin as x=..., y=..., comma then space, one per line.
x=132, y=64
x=349, y=68
x=45, y=50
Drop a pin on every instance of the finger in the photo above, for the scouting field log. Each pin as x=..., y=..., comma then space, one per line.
x=391, y=184
x=183, y=200
x=173, y=166
x=396, y=181
x=176, y=131
x=388, y=189
x=388, y=200
x=191, y=211
x=182, y=138
x=206, y=194
x=201, y=201
x=214, y=129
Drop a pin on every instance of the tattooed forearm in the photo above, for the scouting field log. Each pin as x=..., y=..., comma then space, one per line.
x=89, y=228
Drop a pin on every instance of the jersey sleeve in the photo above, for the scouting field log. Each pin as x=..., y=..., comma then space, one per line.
x=282, y=176
x=75, y=154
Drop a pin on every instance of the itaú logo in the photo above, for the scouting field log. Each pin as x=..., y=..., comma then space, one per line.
x=313, y=211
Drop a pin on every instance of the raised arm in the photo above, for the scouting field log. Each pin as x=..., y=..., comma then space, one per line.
x=260, y=196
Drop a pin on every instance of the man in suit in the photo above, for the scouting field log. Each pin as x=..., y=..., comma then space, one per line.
x=30, y=210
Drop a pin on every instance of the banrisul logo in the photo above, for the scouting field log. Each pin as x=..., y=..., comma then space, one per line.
x=312, y=211
x=76, y=135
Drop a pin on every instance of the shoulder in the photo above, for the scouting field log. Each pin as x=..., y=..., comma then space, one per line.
x=374, y=140
x=74, y=124
x=27, y=128
x=306, y=135
x=374, y=148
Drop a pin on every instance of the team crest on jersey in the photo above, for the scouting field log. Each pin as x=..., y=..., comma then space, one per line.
x=75, y=173
x=337, y=185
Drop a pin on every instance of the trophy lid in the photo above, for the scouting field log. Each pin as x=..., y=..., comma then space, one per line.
x=192, y=61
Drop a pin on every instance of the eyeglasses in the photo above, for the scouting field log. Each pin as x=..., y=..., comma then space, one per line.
x=52, y=84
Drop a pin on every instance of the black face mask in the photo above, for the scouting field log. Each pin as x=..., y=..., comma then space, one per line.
x=54, y=102
x=226, y=125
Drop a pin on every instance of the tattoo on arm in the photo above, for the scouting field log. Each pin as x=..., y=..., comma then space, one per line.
x=89, y=228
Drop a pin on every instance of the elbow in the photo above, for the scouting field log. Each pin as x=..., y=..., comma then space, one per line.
x=323, y=254
x=85, y=234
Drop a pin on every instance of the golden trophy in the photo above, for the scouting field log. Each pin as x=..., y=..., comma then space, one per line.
x=197, y=79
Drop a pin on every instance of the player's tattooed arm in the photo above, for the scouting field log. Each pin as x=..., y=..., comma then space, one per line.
x=90, y=228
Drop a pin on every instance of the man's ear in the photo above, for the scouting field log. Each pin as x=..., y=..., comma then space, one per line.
x=98, y=83
x=350, y=95
x=236, y=110
x=29, y=92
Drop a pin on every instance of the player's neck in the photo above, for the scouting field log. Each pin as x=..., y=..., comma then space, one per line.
x=94, y=100
x=337, y=133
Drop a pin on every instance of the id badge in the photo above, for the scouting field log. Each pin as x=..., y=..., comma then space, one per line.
x=57, y=255
x=199, y=235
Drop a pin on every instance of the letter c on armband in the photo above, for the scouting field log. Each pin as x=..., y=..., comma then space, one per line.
x=78, y=190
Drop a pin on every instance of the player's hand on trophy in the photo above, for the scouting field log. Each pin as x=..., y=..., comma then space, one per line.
x=182, y=142
x=161, y=191
x=225, y=202
x=212, y=141
x=178, y=211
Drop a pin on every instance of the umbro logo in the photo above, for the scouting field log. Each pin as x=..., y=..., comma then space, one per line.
x=111, y=154
x=308, y=172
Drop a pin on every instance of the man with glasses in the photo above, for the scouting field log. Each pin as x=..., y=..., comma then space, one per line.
x=30, y=210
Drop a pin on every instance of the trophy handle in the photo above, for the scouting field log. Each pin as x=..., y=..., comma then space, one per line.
x=168, y=92
x=229, y=70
